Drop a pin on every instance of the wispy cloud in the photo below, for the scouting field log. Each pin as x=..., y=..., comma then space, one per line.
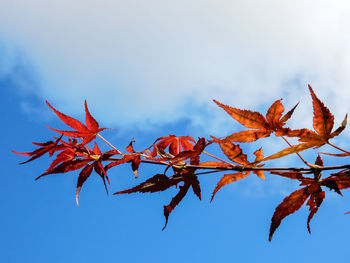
x=149, y=63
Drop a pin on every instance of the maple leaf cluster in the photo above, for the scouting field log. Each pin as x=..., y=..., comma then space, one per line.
x=78, y=149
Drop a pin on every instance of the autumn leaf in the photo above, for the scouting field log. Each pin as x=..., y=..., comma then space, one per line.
x=175, y=201
x=87, y=133
x=76, y=156
x=296, y=175
x=248, y=118
x=314, y=203
x=130, y=147
x=196, y=186
x=235, y=154
x=181, y=157
x=337, y=181
x=161, y=182
x=157, y=183
x=66, y=166
x=174, y=144
x=289, y=205
x=312, y=190
x=135, y=163
x=126, y=158
x=293, y=202
x=274, y=114
x=96, y=157
x=183, y=154
x=273, y=122
x=134, y=158
x=227, y=179
x=290, y=150
x=64, y=156
x=83, y=175
x=323, y=122
x=190, y=180
x=98, y=167
x=46, y=147
x=259, y=156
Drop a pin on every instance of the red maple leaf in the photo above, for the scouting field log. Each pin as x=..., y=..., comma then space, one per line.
x=134, y=158
x=46, y=147
x=174, y=143
x=161, y=182
x=75, y=156
x=87, y=133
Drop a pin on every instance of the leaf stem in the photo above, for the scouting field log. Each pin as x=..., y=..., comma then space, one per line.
x=209, y=172
x=310, y=165
x=119, y=152
x=217, y=158
x=340, y=149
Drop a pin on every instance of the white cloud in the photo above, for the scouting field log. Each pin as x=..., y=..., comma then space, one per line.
x=148, y=63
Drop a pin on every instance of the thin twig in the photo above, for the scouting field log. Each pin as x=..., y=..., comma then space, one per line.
x=340, y=149
x=110, y=144
x=217, y=158
x=210, y=172
x=241, y=168
x=310, y=165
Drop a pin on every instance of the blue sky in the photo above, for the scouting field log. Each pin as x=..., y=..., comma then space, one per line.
x=148, y=70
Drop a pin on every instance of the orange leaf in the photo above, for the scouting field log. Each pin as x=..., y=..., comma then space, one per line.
x=323, y=120
x=288, y=115
x=292, y=149
x=305, y=135
x=259, y=155
x=274, y=113
x=248, y=135
x=340, y=128
x=233, y=152
x=227, y=179
x=250, y=119
x=260, y=174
